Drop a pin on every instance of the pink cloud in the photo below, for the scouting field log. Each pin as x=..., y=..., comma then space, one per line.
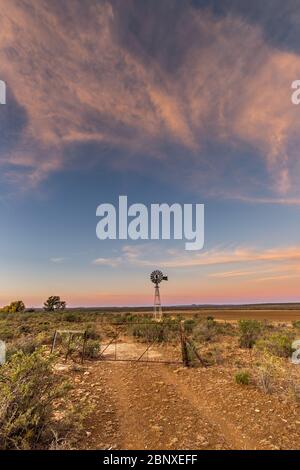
x=80, y=84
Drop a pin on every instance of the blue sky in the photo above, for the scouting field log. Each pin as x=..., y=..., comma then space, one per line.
x=184, y=101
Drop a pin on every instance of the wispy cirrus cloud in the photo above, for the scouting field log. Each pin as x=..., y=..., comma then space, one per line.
x=58, y=260
x=111, y=262
x=214, y=258
x=82, y=75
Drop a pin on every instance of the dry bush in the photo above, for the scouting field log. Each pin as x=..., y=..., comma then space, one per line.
x=269, y=372
x=23, y=344
x=294, y=389
x=29, y=389
x=206, y=330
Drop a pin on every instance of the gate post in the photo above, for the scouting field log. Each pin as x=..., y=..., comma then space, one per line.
x=184, y=351
x=83, y=346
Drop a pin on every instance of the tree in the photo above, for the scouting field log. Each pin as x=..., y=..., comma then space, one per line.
x=53, y=303
x=14, y=307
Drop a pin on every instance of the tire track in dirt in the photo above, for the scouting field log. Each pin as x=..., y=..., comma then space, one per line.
x=102, y=425
x=143, y=406
x=262, y=421
x=154, y=414
x=203, y=403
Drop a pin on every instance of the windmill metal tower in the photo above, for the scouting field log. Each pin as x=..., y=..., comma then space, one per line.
x=156, y=277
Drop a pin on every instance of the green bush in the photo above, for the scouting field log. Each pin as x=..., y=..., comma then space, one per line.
x=24, y=329
x=44, y=338
x=92, y=349
x=71, y=317
x=6, y=333
x=278, y=344
x=296, y=324
x=206, y=330
x=28, y=390
x=150, y=331
x=14, y=307
x=24, y=345
x=209, y=318
x=242, y=378
x=129, y=317
x=249, y=331
x=91, y=332
x=189, y=325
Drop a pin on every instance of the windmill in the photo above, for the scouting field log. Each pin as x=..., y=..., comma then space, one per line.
x=156, y=277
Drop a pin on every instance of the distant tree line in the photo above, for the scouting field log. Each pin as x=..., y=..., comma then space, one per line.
x=52, y=304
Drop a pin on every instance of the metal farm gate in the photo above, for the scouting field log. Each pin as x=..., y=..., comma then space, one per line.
x=149, y=342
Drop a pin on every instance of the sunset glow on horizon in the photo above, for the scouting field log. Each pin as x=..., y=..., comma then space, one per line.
x=186, y=102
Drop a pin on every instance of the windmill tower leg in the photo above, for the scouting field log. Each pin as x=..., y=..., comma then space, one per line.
x=157, y=310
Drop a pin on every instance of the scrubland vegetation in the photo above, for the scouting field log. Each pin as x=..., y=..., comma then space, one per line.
x=30, y=400
x=34, y=409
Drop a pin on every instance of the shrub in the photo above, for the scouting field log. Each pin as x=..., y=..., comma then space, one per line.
x=216, y=355
x=192, y=356
x=206, y=330
x=92, y=349
x=189, y=325
x=129, y=317
x=209, y=318
x=159, y=332
x=278, y=344
x=70, y=317
x=268, y=371
x=265, y=379
x=29, y=389
x=249, y=332
x=24, y=329
x=225, y=328
x=242, y=378
x=6, y=333
x=44, y=338
x=295, y=390
x=149, y=332
x=14, y=307
x=26, y=346
x=91, y=332
x=296, y=324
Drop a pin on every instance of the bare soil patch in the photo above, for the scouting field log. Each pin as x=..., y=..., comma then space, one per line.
x=154, y=406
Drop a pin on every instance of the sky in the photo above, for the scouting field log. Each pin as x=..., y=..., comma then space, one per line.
x=177, y=101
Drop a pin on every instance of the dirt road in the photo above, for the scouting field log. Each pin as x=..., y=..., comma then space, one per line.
x=140, y=406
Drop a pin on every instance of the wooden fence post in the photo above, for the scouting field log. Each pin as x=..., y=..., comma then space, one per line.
x=53, y=341
x=184, y=351
x=83, y=346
